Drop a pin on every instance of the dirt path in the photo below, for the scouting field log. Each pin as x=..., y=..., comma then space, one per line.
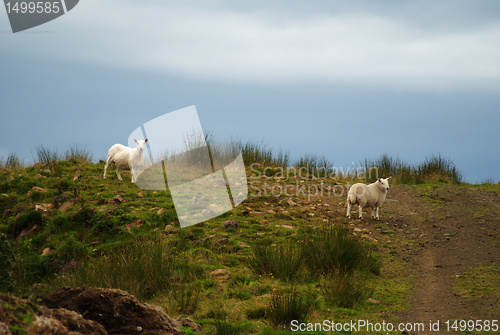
x=450, y=230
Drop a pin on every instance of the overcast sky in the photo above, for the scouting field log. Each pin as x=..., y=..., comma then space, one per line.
x=346, y=80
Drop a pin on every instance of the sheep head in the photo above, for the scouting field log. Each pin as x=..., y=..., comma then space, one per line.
x=384, y=182
x=141, y=144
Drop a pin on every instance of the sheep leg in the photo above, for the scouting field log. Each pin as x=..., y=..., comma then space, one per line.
x=376, y=214
x=109, y=161
x=348, y=209
x=118, y=174
x=373, y=212
x=132, y=172
x=360, y=212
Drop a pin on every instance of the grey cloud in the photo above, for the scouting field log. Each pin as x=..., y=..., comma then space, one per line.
x=417, y=44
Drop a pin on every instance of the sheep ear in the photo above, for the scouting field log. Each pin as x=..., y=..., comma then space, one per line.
x=135, y=140
x=388, y=178
x=145, y=140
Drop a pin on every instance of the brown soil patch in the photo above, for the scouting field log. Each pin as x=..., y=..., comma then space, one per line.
x=449, y=230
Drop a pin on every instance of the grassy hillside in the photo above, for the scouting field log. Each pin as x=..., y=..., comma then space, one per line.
x=287, y=253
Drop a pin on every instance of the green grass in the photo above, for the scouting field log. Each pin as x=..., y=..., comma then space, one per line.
x=184, y=298
x=283, y=261
x=144, y=268
x=334, y=249
x=258, y=153
x=288, y=306
x=433, y=169
x=7, y=259
x=78, y=154
x=312, y=271
x=12, y=162
x=479, y=284
x=488, y=181
x=312, y=165
x=46, y=156
x=345, y=290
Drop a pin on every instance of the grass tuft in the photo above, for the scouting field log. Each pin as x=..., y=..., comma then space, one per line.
x=78, y=154
x=7, y=259
x=288, y=306
x=46, y=157
x=282, y=261
x=345, y=290
x=258, y=153
x=334, y=249
x=434, y=169
x=12, y=162
x=143, y=268
x=185, y=298
x=314, y=166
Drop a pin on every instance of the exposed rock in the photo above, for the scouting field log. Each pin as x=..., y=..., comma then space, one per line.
x=137, y=222
x=118, y=199
x=27, y=231
x=187, y=322
x=208, y=238
x=361, y=230
x=256, y=213
x=64, y=207
x=243, y=245
x=103, y=209
x=231, y=224
x=45, y=320
x=285, y=226
x=170, y=228
x=44, y=207
x=373, y=301
x=116, y=310
x=75, y=321
x=63, y=321
x=369, y=238
x=47, y=251
x=220, y=274
x=39, y=189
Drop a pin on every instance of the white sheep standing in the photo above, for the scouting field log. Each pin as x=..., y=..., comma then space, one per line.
x=372, y=195
x=125, y=158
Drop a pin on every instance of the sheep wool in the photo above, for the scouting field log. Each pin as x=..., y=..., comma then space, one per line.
x=372, y=195
x=125, y=158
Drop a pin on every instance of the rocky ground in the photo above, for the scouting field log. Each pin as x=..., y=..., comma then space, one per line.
x=86, y=310
x=449, y=238
x=446, y=237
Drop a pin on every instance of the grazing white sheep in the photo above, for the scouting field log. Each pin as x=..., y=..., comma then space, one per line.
x=125, y=158
x=372, y=195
